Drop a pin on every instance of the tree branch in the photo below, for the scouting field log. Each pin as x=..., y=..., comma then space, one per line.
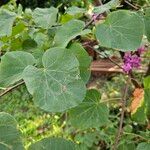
x=120, y=130
x=11, y=88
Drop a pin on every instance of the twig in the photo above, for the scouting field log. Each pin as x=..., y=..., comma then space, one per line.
x=137, y=135
x=109, y=59
x=11, y=88
x=91, y=21
x=133, y=6
x=120, y=130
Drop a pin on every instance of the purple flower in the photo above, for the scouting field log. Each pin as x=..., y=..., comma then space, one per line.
x=131, y=62
x=135, y=61
x=127, y=67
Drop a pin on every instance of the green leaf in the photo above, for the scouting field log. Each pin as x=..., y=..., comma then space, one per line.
x=126, y=146
x=53, y=144
x=10, y=136
x=90, y=113
x=147, y=82
x=103, y=8
x=29, y=45
x=147, y=22
x=7, y=119
x=45, y=17
x=74, y=10
x=69, y=31
x=6, y=22
x=18, y=28
x=12, y=66
x=84, y=60
x=143, y=146
x=147, y=94
x=57, y=86
x=122, y=30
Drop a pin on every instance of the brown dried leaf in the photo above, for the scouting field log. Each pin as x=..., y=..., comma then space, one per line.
x=138, y=97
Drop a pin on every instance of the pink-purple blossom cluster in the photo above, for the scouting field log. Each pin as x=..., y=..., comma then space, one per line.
x=132, y=60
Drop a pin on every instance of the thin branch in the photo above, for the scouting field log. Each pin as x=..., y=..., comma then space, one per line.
x=134, y=81
x=11, y=88
x=120, y=130
x=93, y=19
x=133, y=6
x=137, y=135
x=109, y=59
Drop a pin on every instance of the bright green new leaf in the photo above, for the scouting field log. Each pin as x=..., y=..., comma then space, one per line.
x=57, y=86
x=53, y=144
x=69, y=31
x=10, y=136
x=84, y=60
x=147, y=82
x=45, y=17
x=143, y=146
x=7, y=19
x=12, y=66
x=90, y=113
x=147, y=94
x=103, y=8
x=122, y=30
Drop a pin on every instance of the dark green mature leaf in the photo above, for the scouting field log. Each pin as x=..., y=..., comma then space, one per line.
x=53, y=144
x=29, y=45
x=69, y=31
x=10, y=136
x=7, y=19
x=143, y=146
x=84, y=60
x=45, y=17
x=103, y=8
x=122, y=30
x=57, y=86
x=90, y=113
x=12, y=66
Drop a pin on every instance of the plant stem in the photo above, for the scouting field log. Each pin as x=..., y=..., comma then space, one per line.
x=120, y=130
x=136, y=135
x=11, y=88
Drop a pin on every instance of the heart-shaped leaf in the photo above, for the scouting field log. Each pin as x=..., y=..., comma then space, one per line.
x=91, y=112
x=57, y=86
x=122, y=30
x=15, y=62
x=84, y=60
x=45, y=17
x=10, y=136
x=69, y=31
x=6, y=22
